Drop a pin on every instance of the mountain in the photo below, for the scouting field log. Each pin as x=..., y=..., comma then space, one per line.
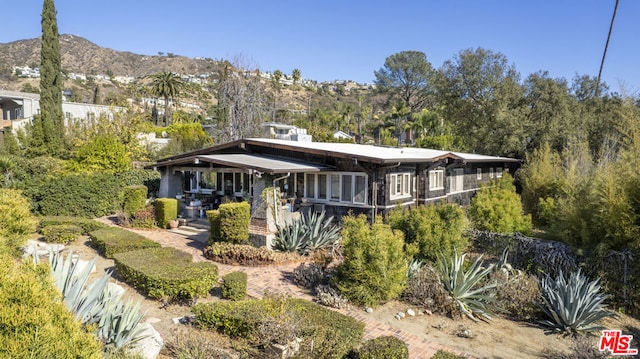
x=80, y=55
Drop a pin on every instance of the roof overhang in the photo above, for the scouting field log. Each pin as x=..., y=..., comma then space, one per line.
x=259, y=163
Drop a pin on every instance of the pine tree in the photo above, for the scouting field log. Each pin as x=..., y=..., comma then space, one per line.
x=49, y=127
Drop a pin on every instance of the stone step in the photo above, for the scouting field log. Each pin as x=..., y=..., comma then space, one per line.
x=183, y=232
x=191, y=228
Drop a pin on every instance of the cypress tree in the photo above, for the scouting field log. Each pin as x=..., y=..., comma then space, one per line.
x=50, y=124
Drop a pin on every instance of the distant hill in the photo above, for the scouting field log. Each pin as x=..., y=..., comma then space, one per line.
x=80, y=55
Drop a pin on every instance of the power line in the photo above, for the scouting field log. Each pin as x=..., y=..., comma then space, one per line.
x=606, y=46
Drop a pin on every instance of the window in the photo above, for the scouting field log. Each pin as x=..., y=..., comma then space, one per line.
x=361, y=188
x=237, y=182
x=344, y=187
x=400, y=185
x=322, y=186
x=335, y=187
x=310, y=186
x=499, y=172
x=456, y=183
x=479, y=175
x=436, y=180
x=491, y=172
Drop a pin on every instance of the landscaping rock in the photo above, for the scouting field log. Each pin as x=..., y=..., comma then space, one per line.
x=151, y=345
x=411, y=313
x=82, y=264
x=41, y=248
x=115, y=289
x=369, y=310
x=401, y=314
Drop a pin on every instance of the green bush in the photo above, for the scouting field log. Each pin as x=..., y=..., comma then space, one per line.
x=61, y=233
x=16, y=221
x=234, y=285
x=82, y=195
x=147, y=178
x=112, y=240
x=166, y=273
x=33, y=322
x=144, y=218
x=134, y=198
x=247, y=255
x=498, y=208
x=215, y=234
x=435, y=229
x=87, y=225
x=166, y=210
x=234, y=222
x=105, y=153
x=442, y=354
x=374, y=269
x=385, y=347
x=324, y=332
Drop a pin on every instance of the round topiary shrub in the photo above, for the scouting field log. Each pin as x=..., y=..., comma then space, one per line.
x=234, y=286
x=134, y=198
x=385, y=347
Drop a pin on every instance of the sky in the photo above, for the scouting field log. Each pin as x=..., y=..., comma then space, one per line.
x=350, y=39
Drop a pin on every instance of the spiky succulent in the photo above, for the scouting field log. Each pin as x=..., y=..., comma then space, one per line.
x=573, y=304
x=466, y=288
x=291, y=237
x=307, y=233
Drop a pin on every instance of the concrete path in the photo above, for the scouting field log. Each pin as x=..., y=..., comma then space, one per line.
x=275, y=279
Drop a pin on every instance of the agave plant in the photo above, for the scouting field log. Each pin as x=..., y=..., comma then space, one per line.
x=321, y=232
x=414, y=267
x=466, y=288
x=117, y=321
x=291, y=237
x=574, y=304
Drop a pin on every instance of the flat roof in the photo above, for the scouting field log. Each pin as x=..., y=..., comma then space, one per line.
x=259, y=163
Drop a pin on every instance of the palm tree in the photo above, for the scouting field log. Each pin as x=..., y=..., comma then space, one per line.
x=168, y=86
x=295, y=74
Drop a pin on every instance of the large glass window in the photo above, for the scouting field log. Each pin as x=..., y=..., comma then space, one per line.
x=400, y=185
x=361, y=189
x=335, y=187
x=347, y=194
x=310, y=186
x=322, y=186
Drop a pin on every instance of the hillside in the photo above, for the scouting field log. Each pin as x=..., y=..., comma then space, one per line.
x=82, y=56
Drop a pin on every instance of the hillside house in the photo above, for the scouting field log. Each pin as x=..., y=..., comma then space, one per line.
x=334, y=177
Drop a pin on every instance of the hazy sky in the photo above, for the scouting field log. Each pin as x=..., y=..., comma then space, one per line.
x=343, y=39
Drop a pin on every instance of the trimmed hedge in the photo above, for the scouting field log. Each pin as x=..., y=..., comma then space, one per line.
x=385, y=347
x=134, y=198
x=244, y=254
x=234, y=285
x=112, y=240
x=166, y=210
x=87, y=225
x=61, y=233
x=230, y=223
x=324, y=332
x=166, y=273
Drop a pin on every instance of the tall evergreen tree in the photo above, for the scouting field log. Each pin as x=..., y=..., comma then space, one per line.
x=49, y=127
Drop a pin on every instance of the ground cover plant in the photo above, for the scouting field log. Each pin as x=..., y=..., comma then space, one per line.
x=112, y=240
x=244, y=254
x=61, y=233
x=166, y=273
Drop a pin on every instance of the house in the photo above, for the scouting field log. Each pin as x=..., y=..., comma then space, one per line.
x=285, y=132
x=334, y=177
x=340, y=135
x=19, y=108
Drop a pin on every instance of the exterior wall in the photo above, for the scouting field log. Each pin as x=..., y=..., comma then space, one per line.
x=170, y=183
x=87, y=111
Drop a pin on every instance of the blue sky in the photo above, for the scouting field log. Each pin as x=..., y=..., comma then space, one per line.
x=343, y=39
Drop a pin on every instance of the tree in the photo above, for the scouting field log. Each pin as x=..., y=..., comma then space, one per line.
x=48, y=131
x=406, y=76
x=295, y=74
x=168, y=86
x=276, y=77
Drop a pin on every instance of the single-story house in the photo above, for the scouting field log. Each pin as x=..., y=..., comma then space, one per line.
x=334, y=177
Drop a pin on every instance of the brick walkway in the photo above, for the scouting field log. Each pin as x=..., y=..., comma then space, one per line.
x=274, y=279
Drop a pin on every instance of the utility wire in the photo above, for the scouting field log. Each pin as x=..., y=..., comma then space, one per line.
x=606, y=46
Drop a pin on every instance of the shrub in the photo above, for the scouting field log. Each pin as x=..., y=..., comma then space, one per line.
x=87, y=225
x=33, y=322
x=234, y=222
x=244, y=254
x=144, y=218
x=82, y=195
x=572, y=304
x=234, y=285
x=147, y=178
x=308, y=275
x=443, y=354
x=375, y=264
x=215, y=234
x=112, y=240
x=329, y=297
x=519, y=295
x=62, y=233
x=498, y=208
x=104, y=153
x=166, y=273
x=16, y=221
x=385, y=347
x=134, y=198
x=435, y=229
x=424, y=289
x=166, y=210
x=324, y=333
